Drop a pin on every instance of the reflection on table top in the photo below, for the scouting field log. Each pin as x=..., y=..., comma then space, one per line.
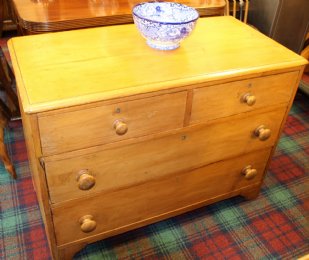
x=36, y=16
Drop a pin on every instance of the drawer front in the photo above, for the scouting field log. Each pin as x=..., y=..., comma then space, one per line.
x=140, y=162
x=137, y=205
x=241, y=96
x=94, y=126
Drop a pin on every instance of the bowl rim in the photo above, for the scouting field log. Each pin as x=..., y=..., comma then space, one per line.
x=175, y=23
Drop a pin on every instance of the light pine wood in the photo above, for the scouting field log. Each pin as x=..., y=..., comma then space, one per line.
x=250, y=194
x=179, y=131
x=253, y=194
x=69, y=252
x=249, y=99
x=57, y=15
x=165, y=215
x=38, y=176
x=85, y=179
x=51, y=60
x=192, y=130
x=262, y=132
x=305, y=257
x=191, y=148
x=249, y=172
x=120, y=127
x=87, y=223
x=177, y=191
x=269, y=90
x=64, y=132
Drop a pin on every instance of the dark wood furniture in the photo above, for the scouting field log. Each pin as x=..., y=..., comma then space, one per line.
x=7, y=112
x=39, y=16
x=3, y=151
x=286, y=21
x=6, y=17
x=238, y=9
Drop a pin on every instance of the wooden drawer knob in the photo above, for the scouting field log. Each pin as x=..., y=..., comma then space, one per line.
x=85, y=180
x=120, y=127
x=262, y=132
x=87, y=224
x=249, y=99
x=249, y=172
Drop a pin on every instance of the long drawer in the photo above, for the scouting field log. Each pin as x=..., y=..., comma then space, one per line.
x=104, y=170
x=79, y=129
x=241, y=96
x=105, y=213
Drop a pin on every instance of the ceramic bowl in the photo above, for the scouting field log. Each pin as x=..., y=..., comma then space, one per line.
x=164, y=24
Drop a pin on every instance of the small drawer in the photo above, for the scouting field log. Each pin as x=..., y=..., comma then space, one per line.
x=135, y=206
x=77, y=175
x=241, y=96
x=74, y=130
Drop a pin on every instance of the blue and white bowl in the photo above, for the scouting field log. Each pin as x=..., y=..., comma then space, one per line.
x=164, y=24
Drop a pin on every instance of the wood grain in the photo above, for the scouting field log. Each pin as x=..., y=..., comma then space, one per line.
x=58, y=15
x=185, y=136
x=39, y=177
x=226, y=99
x=79, y=129
x=177, y=191
x=99, y=67
x=145, y=161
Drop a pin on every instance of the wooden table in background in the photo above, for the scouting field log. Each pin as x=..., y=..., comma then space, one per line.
x=39, y=16
x=6, y=19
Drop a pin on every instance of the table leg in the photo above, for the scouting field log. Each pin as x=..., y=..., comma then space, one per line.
x=4, y=155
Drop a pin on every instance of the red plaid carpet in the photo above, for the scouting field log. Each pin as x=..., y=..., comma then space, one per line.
x=273, y=226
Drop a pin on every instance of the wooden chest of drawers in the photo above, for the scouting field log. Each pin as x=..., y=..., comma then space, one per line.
x=120, y=135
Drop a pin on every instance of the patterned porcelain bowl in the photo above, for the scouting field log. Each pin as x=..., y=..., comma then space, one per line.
x=164, y=24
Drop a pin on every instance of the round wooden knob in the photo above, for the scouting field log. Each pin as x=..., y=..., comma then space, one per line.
x=249, y=172
x=249, y=99
x=85, y=180
x=120, y=127
x=87, y=224
x=262, y=132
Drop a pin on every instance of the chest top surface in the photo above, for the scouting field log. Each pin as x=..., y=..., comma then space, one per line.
x=76, y=67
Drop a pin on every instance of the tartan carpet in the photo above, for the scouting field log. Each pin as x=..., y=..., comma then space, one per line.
x=273, y=226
